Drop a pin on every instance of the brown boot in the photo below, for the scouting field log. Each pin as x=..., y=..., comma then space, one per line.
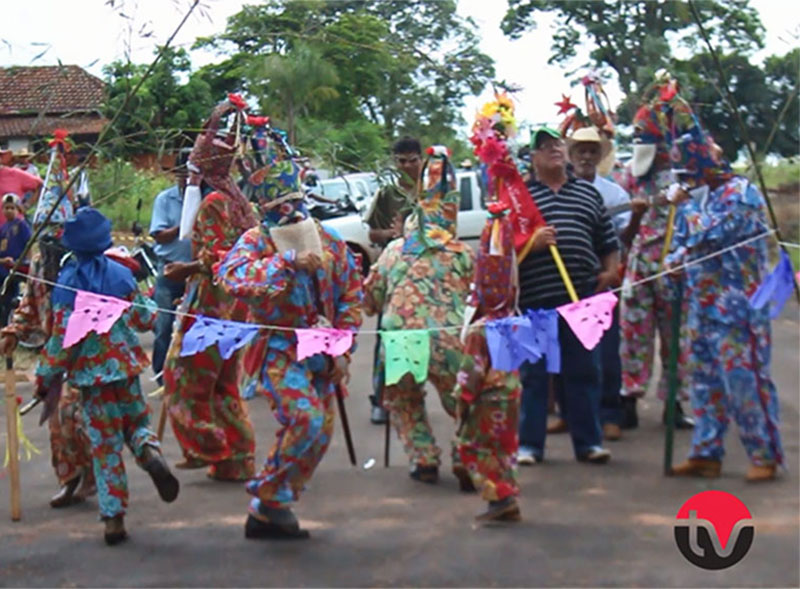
x=611, y=432
x=115, y=530
x=698, y=467
x=505, y=510
x=758, y=473
x=557, y=426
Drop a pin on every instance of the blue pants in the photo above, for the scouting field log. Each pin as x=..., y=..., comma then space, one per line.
x=577, y=391
x=166, y=292
x=611, y=400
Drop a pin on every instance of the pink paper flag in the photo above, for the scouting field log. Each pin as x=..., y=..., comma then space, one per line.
x=92, y=312
x=589, y=318
x=323, y=340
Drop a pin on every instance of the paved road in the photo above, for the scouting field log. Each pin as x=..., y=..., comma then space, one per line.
x=584, y=525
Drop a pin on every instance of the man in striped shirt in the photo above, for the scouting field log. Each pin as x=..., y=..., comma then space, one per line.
x=578, y=223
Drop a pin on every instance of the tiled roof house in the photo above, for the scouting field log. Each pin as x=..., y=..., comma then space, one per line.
x=34, y=101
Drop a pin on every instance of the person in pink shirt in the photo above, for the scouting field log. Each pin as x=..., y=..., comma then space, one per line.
x=13, y=180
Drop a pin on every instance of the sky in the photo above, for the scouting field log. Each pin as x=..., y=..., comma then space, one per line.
x=91, y=33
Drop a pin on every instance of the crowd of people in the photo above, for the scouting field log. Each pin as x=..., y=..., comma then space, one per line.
x=262, y=259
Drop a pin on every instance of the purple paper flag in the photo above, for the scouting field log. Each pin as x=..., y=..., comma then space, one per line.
x=511, y=341
x=776, y=288
x=207, y=331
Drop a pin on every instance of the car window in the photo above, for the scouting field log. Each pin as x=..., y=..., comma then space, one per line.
x=333, y=189
x=465, y=188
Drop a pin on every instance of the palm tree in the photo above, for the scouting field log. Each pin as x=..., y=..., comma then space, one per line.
x=294, y=84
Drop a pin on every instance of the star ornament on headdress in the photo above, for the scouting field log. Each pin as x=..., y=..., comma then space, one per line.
x=565, y=105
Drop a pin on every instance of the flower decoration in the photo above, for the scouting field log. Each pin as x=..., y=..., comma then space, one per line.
x=237, y=101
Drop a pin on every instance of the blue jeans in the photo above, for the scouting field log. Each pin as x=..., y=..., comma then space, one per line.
x=611, y=401
x=577, y=390
x=166, y=292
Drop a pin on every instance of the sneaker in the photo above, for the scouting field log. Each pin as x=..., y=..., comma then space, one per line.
x=378, y=416
x=596, y=455
x=526, y=456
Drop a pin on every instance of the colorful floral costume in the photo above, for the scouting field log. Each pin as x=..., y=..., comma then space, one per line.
x=646, y=309
x=105, y=368
x=730, y=341
x=487, y=435
x=422, y=281
x=210, y=421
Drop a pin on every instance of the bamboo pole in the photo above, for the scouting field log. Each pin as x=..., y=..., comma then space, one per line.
x=12, y=440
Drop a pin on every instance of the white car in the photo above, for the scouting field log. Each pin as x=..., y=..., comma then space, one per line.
x=471, y=217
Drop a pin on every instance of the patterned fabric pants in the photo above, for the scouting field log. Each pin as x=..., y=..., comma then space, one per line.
x=405, y=402
x=730, y=376
x=116, y=415
x=70, y=448
x=302, y=400
x=488, y=443
x=646, y=309
x=210, y=421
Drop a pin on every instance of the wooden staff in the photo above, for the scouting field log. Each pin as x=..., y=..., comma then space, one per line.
x=348, y=437
x=12, y=439
x=162, y=416
x=672, y=394
x=668, y=236
x=387, y=436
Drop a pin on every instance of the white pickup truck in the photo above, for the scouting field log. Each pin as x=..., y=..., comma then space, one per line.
x=471, y=216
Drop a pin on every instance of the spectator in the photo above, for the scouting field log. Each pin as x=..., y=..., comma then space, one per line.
x=579, y=224
x=586, y=150
x=164, y=228
x=14, y=235
x=388, y=211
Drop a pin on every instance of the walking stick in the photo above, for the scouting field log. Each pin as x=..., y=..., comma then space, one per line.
x=162, y=416
x=672, y=394
x=348, y=438
x=12, y=440
x=387, y=436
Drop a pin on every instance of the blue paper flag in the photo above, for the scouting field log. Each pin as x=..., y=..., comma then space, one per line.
x=514, y=340
x=776, y=288
x=207, y=331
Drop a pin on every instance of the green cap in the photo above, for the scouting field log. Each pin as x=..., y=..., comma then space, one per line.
x=542, y=132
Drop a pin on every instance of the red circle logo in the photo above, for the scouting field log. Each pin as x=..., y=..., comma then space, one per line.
x=714, y=530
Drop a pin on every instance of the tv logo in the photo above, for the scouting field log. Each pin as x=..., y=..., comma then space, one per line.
x=714, y=530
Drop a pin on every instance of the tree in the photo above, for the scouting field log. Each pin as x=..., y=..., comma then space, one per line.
x=164, y=111
x=404, y=66
x=633, y=37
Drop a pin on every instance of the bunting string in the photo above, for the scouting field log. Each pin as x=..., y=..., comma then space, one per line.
x=454, y=328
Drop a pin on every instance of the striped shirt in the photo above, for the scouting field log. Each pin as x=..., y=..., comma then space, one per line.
x=584, y=234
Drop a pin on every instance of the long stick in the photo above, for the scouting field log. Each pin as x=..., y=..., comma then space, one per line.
x=94, y=148
x=12, y=440
x=348, y=438
x=668, y=236
x=162, y=418
x=672, y=394
x=562, y=269
x=387, y=437
x=734, y=107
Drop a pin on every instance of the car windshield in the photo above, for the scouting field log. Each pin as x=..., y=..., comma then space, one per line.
x=333, y=189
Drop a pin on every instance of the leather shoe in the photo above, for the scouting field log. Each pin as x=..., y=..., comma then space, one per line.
x=66, y=495
x=425, y=474
x=758, y=473
x=698, y=467
x=611, y=432
x=630, y=418
x=465, y=483
x=115, y=530
x=557, y=426
x=166, y=483
x=506, y=510
x=277, y=524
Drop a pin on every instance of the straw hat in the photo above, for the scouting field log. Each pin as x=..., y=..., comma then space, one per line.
x=589, y=135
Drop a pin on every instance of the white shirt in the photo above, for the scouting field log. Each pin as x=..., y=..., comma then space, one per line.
x=614, y=196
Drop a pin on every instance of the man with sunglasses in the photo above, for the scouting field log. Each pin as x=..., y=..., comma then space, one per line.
x=387, y=214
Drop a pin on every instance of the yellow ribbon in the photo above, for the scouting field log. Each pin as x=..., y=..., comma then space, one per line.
x=668, y=236
x=24, y=443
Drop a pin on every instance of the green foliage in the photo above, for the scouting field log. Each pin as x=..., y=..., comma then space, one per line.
x=117, y=187
x=164, y=112
x=354, y=145
x=630, y=36
x=404, y=66
x=785, y=173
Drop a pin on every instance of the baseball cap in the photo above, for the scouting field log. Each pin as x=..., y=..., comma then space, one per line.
x=541, y=133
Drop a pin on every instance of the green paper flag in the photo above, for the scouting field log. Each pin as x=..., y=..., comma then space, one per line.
x=407, y=351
